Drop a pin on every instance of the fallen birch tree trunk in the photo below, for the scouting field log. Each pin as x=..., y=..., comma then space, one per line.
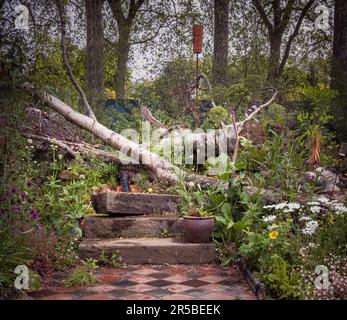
x=161, y=168
x=229, y=133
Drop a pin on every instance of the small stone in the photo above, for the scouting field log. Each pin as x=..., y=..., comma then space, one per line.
x=326, y=177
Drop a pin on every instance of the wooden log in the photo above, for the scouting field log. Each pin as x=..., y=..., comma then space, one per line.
x=123, y=203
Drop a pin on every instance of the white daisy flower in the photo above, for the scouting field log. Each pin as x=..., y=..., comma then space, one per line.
x=340, y=209
x=310, y=227
x=302, y=252
x=293, y=205
x=315, y=209
x=314, y=203
x=323, y=200
x=305, y=218
x=272, y=227
x=280, y=206
x=269, y=206
x=269, y=218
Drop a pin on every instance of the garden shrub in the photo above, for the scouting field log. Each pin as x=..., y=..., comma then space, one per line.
x=215, y=116
x=235, y=97
x=277, y=164
x=273, y=115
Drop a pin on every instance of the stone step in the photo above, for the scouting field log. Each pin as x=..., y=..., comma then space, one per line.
x=101, y=227
x=123, y=203
x=150, y=250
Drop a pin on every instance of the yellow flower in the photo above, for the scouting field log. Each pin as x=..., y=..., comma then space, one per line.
x=150, y=190
x=273, y=235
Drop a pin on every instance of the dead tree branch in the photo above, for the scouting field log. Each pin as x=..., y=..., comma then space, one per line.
x=61, y=144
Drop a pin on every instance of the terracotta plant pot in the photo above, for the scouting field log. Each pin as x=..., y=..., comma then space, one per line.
x=198, y=229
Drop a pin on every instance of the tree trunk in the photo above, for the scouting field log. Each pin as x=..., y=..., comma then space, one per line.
x=276, y=30
x=220, y=42
x=275, y=57
x=339, y=68
x=125, y=21
x=160, y=167
x=95, y=37
x=122, y=62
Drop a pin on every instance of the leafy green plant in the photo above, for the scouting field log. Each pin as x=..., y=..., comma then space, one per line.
x=315, y=99
x=215, y=116
x=81, y=276
x=90, y=263
x=13, y=252
x=235, y=214
x=277, y=164
x=280, y=281
x=112, y=260
x=164, y=233
x=34, y=280
x=273, y=114
x=67, y=197
x=236, y=96
x=190, y=198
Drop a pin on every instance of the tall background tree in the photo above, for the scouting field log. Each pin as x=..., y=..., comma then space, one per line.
x=339, y=68
x=125, y=19
x=277, y=22
x=220, y=42
x=95, y=45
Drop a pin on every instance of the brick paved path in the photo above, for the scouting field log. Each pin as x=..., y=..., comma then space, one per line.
x=153, y=282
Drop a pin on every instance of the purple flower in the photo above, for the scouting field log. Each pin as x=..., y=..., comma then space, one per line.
x=29, y=184
x=262, y=166
x=40, y=228
x=30, y=200
x=277, y=126
x=23, y=195
x=16, y=209
x=266, y=175
x=13, y=189
x=278, y=185
x=34, y=214
x=309, y=178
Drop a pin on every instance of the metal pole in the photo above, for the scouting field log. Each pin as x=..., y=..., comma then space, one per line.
x=196, y=113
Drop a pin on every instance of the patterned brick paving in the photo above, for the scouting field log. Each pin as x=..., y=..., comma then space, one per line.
x=149, y=282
